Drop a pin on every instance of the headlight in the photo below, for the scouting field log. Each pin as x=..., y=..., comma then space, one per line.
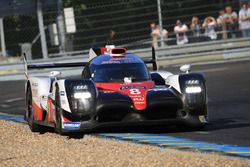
x=82, y=95
x=193, y=89
x=193, y=86
x=81, y=92
x=81, y=98
x=192, y=82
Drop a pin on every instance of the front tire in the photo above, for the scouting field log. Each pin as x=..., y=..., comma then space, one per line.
x=195, y=123
x=58, y=113
x=29, y=114
x=198, y=122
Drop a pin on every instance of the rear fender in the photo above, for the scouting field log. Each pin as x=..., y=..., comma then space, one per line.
x=195, y=102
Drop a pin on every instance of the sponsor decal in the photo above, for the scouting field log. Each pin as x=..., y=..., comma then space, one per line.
x=111, y=62
x=132, y=87
x=63, y=101
x=139, y=99
x=159, y=89
x=107, y=91
x=34, y=92
x=72, y=125
x=139, y=102
x=34, y=84
x=62, y=93
x=122, y=58
x=118, y=61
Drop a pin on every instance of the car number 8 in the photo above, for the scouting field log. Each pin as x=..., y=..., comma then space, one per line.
x=135, y=91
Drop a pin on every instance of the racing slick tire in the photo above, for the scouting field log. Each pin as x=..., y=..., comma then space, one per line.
x=58, y=113
x=29, y=113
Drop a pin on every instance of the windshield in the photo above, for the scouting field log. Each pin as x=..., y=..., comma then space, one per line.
x=117, y=72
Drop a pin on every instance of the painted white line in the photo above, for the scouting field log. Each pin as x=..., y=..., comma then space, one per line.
x=217, y=62
x=4, y=106
x=214, y=69
x=13, y=100
x=202, y=132
x=222, y=61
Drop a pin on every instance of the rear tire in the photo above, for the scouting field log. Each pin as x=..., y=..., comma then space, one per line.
x=29, y=114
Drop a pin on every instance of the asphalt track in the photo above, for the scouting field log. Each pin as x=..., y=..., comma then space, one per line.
x=229, y=104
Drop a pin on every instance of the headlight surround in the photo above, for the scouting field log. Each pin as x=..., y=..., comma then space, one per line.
x=81, y=95
x=80, y=98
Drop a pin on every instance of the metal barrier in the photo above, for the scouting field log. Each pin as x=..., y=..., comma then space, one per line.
x=205, y=51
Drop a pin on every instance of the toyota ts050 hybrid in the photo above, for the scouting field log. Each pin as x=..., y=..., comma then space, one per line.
x=114, y=89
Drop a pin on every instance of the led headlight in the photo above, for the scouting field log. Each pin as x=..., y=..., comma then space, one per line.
x=82, y=95
x=192, y=82
x=193, y=86
x=193, y=89
x=81, y=92
x=80, y=98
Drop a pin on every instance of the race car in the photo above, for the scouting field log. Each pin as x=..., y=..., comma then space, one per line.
x=114, y=89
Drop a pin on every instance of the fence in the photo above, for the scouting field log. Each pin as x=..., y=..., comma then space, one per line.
x=125, y=22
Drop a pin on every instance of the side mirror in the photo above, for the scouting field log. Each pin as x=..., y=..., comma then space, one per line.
x=54, y=74
x=185, y=68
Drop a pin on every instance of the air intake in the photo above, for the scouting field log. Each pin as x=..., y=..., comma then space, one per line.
x=118, y=51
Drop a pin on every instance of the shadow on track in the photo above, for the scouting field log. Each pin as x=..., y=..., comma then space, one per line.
x=156, y=129
x=222, y=124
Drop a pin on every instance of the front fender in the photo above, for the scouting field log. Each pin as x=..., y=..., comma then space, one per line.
x=195, y=102
x=85, y=102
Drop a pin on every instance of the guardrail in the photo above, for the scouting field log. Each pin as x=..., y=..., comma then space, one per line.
x=168, y=55
x=205, y=51
x=73, y=53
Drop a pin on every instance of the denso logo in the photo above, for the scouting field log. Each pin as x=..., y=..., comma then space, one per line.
x=139, y=99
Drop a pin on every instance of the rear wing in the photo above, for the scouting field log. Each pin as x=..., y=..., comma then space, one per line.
x=56, y=65
x=50, y=65
x=152, y=60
